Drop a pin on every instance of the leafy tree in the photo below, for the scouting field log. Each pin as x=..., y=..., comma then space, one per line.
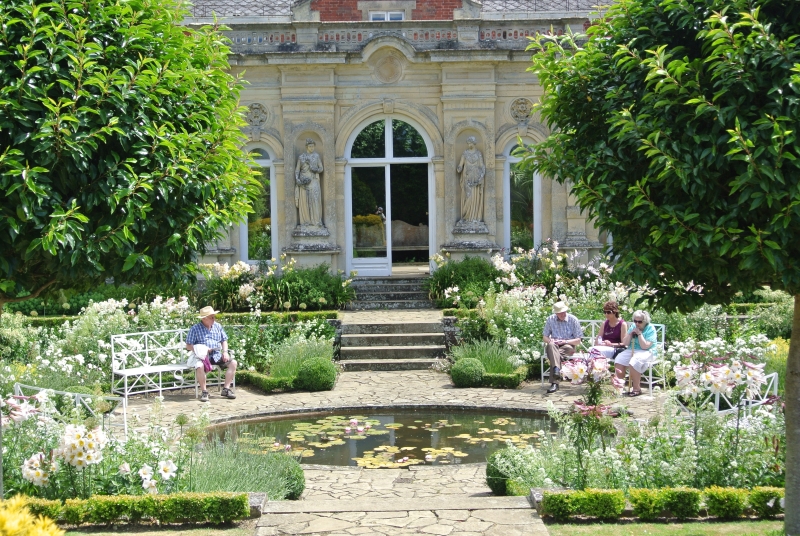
x=675, y=123
x=119, y=144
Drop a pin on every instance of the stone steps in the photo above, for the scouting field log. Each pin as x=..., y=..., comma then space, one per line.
x=427, y=351
x=391, y=328
x=390, y=293
x=355, y=365
x=393, y=339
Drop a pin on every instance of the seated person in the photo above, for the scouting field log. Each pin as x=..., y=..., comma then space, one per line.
x=609, y=340
x=562, y=334
x=639, y=353
x=211, y=334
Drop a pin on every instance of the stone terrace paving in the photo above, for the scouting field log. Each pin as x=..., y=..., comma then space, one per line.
x=446, y=500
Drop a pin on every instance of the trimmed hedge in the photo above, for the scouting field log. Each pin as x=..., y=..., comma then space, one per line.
x=495, y=479
x=766, y=501
x=262, y=381
x=172, y=508
x=276, y=317
x=649, y=504
x=317, y=374
x=467, y=372
x=725, y=503
x=505, y=381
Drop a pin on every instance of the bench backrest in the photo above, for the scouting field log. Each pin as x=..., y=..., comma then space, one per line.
x=593, y=328
x=131, y=350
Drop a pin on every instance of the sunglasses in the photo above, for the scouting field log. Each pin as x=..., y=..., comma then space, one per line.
x=608, y=312
x=638, y=321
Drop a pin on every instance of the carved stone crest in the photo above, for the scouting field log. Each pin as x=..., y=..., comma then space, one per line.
x=257, y=114
x=521, y=109
x=389, y=70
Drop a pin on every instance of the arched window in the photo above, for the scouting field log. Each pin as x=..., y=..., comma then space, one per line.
x=256, y=241
x=387, y=191
x=522, y=203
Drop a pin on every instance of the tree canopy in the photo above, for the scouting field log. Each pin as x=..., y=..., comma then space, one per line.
x=119, y=143
x=675, y=124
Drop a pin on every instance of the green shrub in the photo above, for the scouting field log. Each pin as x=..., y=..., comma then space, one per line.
x=517, y=489
x=725, y=503
x=606, y=504
x=683, y=503
x=647, y=503
x=467, y=372
x=495, y=478
x=295, y=479
x=262, y=381
x=172, y=508
x=471, y=275
x=559, y=505
x=506, y=381
x=318, y=374
x=44, y=507
x=290, y=355
x=495, y=356
x=766, y=501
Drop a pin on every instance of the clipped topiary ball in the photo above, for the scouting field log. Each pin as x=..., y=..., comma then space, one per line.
x=295, y=479
x=316, y=374
x=495, y=479
x=467, y=372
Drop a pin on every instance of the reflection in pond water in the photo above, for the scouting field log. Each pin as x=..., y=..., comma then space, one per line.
x=390, y=438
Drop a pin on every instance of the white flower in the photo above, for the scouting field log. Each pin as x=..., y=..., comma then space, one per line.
x=167, y=469
x=124, y=469
x=150, y=486
x=146, y=472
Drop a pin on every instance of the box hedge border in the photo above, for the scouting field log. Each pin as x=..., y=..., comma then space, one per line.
x=649, y=504
x=505, y=381
x=219, y=507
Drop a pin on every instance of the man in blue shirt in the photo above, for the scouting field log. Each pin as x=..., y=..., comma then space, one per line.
x=211, y=334
x=562, y=334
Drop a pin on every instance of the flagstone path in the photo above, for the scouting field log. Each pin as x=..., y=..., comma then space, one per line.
x=443, y=500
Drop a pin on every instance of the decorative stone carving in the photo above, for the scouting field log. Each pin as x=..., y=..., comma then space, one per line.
x=389, y=70
x=521, y=109
x=308, y=193
x=472, y=170
x=257, y=115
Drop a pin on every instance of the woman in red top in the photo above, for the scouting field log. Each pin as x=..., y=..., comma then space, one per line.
x=609, y=340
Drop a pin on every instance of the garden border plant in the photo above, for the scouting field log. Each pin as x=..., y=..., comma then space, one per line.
x=218, y=507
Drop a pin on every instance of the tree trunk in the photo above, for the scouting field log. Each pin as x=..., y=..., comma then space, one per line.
x=792, y=396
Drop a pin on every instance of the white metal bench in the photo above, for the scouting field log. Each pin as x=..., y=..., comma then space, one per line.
x=153, y=361
x=591, y=330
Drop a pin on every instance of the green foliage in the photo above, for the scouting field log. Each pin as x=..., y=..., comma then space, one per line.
x=600, y=503
x=235, y=467
x=675, y=123
x=683, y=503
x=263, y=382
x=471, y=275
x=219, y=507
x=647, y=503
x=121, y=136
x=496, y=478
x=292, y=288
x=290, y=355
x=495, y=356
x=559, y=505
x=317, y=374
x=467, y=372
x=505, y=381
x=765, y=501
x=517, y=489
x=725, y=503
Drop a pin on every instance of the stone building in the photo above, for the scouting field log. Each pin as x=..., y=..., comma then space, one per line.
x=384, y=128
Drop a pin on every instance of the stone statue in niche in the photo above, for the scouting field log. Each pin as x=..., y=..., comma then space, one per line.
x=472, y=170
x=307, y=191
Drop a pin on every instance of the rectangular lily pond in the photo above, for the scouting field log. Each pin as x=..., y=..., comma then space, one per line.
x=390, y=438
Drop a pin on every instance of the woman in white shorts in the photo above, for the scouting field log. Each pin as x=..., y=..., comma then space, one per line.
x=609, y=340
x=640, y=341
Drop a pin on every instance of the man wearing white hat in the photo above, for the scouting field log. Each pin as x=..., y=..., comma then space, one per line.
x=210, y=337
x=562, y=333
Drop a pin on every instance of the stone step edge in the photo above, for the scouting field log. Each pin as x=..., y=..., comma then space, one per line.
x=370, y=504
x=393, y=335
x=398, y=347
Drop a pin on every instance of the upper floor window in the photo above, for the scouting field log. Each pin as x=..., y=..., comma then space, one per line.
x=386, y=15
